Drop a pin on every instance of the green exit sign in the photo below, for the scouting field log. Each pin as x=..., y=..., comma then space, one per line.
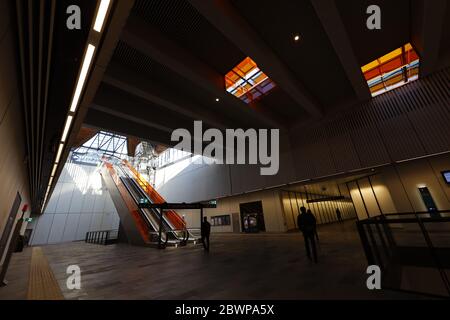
x=28, y=219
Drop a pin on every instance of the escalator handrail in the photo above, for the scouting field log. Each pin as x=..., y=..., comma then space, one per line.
x=166, y=232
x=151, y=191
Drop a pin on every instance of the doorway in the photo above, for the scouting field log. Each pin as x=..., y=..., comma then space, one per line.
x=252, y=217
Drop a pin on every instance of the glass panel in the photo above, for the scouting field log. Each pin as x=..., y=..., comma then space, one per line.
x=392, y=70
x=247, y=82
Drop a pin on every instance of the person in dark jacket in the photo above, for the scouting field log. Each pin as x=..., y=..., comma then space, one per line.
x=206, y=231
x=339, y=215
x=315, y=228
x=307, y=225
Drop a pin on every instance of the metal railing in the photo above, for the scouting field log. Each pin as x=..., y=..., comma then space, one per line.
x=410, y=247
x=181, y=237
x=104, y=237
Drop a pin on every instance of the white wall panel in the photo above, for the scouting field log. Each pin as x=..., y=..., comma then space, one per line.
x=57, y=230
x=80, y=203
x=71, y=227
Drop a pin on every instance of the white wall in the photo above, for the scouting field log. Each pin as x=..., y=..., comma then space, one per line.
x=272, y=210
x=79, y=203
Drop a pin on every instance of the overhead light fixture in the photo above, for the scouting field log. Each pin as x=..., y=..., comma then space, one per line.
x=66, y=128
x=83, y=74
x=58, y=155
x=101, y=15
x=297, y=38
x=54, y=170
x=217, y=99
x=50, y=182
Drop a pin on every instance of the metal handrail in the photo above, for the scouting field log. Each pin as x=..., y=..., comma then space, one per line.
x=187, y=233
x=99, y=236
x=372, y=251
x=409, y=213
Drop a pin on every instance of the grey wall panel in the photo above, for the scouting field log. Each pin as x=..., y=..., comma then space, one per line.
x=83, y=225
x=58, y=226
x=196, y=183
x=80, y=203
x=42, y=230
x=96, y=222
x=70, y=231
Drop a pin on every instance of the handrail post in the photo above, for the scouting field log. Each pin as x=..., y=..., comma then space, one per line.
x=441, y=270
x=160, y=228
x=365, y=243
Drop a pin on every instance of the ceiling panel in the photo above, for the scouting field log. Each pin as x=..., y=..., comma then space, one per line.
x=182, y=23
x=313, y=61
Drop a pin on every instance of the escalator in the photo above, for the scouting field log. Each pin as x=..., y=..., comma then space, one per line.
x=127, y=190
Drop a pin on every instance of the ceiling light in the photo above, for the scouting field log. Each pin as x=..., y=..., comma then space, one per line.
x=84, y=70
x=296, y=38
x=54, y=170
x=66, y=128
x=217, y=99
x=101, y=14
x=58, y=155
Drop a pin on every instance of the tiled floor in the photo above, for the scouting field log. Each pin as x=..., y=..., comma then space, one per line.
x=239, y=266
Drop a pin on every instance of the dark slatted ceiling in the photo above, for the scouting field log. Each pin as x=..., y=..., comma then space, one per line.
x=371, y=44
x=180, y=22
x=50, y=57
x=313, y=61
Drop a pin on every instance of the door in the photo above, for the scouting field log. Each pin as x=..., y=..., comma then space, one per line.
x=9, y=224
x=429, y=201
x=252, y=217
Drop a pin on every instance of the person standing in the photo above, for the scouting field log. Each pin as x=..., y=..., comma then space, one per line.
x=338, y=214
x=307, y=225
x=205, y=231
x=315, y=226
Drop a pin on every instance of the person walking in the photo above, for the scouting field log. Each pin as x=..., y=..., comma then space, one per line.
x=205, y=231
x=307, y=225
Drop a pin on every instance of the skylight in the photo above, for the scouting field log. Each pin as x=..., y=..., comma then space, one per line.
x=392, y=70
x=247, y=82
x=105, y=143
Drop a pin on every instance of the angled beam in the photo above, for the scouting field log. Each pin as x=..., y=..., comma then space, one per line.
x=84, y=135
x=331, y=21
x=114, y=101
x=143, y=37
x=133, y=83
x=112, y=122
x=224, y=17
x=431, y=35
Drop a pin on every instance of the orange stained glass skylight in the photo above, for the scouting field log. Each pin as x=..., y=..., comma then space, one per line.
x=392, y=70
x=247, y=82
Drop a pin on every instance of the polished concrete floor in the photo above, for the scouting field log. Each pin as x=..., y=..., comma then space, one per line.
x=239, y=266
